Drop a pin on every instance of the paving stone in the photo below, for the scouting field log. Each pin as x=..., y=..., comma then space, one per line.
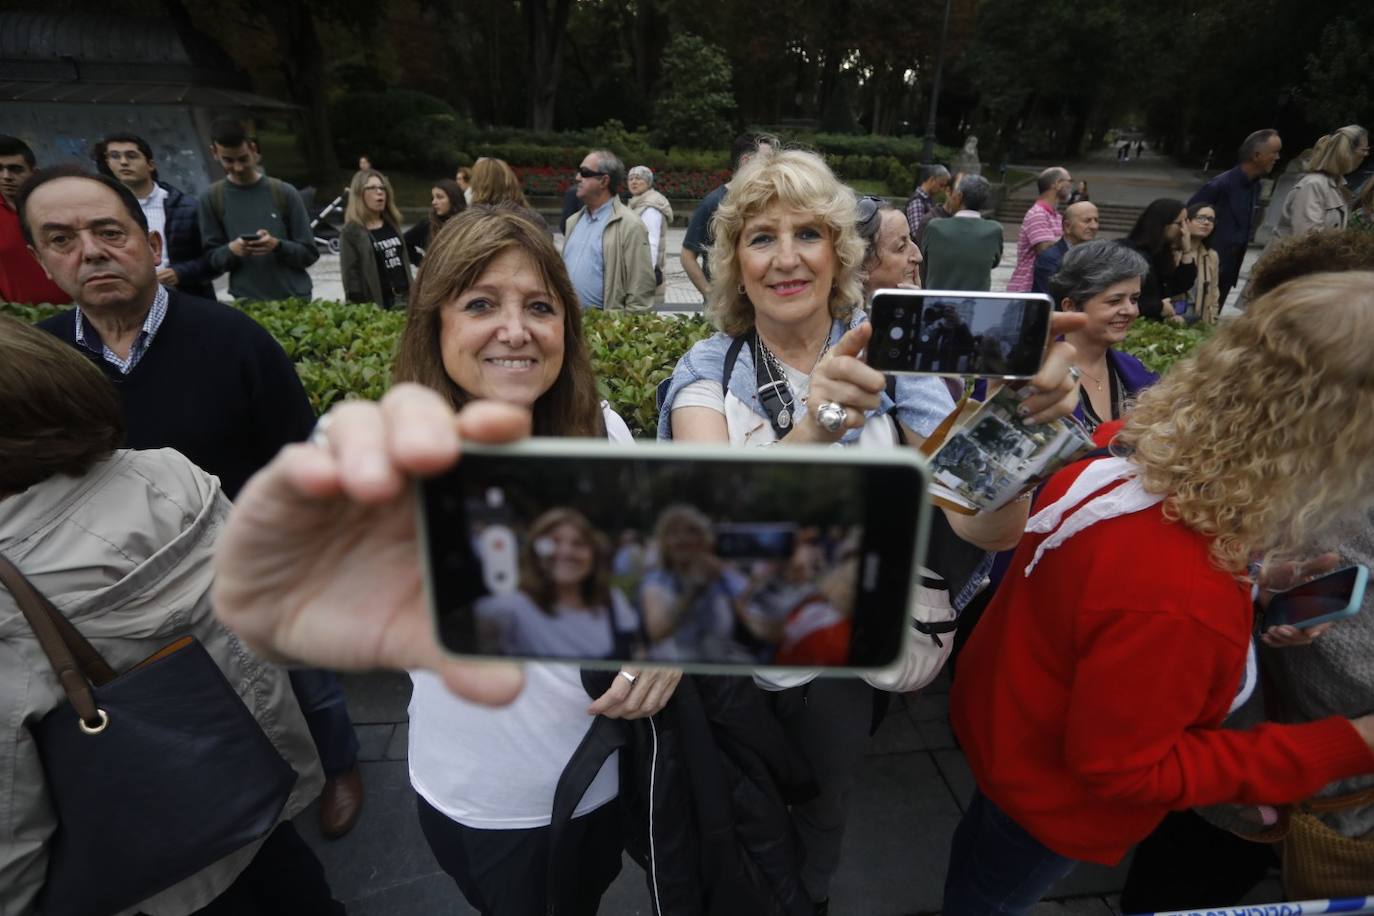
x=373, y=740
x=400, y=742
x=954, y=768
x=926, y=707
x=935, y=736
x=897, y=734
x=377, y=696
x=386, y=849
x=1080, y=906
x=896, y=844
x=432, y=895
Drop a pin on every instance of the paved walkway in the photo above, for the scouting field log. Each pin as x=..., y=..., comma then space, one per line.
x=910, y=794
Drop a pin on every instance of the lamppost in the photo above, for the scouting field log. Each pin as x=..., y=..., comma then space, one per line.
x=928, y=149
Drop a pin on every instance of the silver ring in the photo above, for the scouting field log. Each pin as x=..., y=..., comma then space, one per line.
x=628, y=676
x=319, y=436
x=1075, y=373
x=830, y=416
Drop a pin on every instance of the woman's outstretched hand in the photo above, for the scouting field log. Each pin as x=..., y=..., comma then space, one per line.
x=319, y=563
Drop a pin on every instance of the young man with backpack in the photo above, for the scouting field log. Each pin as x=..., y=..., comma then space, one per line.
x=254, y=226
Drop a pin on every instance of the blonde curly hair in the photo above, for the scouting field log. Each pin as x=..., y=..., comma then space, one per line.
x=1262, y=440
x=797, y=180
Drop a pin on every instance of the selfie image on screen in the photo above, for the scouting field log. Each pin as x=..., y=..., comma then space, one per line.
x=599, y=560
x=958, y=335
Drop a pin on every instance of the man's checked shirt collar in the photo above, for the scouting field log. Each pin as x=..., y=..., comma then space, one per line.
x=88, y=338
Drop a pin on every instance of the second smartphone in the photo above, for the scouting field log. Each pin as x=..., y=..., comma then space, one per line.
x=708, y=559
x=985, y=335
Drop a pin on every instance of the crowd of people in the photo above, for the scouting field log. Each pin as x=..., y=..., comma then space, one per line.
x=162, y=474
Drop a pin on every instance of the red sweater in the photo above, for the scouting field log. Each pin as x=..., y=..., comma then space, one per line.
x=1089, y=699
x=21, y=277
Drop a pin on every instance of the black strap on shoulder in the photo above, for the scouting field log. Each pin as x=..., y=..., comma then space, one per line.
x=892, y=396
x=769, y=389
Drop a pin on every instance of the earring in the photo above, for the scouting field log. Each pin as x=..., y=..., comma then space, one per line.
x=741, y=289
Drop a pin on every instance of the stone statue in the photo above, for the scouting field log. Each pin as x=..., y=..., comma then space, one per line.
x=966, y=160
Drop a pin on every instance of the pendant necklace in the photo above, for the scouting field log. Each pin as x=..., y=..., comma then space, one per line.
x=1097, y=380
x=778, y=376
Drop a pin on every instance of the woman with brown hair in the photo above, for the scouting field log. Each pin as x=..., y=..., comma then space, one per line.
x=494, y=316
x=495, y=183
x=565, y=603
x=446, y=201
x=121, y=541
x=372, y=253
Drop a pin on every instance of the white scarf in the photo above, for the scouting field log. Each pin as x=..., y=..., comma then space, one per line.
x=1130, y=497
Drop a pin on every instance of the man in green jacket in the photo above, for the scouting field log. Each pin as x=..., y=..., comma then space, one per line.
x=607, y=247
x=961, y=250
x=254, y=227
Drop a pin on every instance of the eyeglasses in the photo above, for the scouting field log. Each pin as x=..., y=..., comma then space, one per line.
x=374, y=187
x=868, y=213
x=132, y=155
x=584, y=172
x=1203, y=219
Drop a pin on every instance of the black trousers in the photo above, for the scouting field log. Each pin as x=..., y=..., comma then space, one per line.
x=505, y=872
x=285, y=878
x=1187, y=863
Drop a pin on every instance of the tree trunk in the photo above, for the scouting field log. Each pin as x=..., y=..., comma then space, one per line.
x=545, y=30
x=302, y=63
x=836, y=22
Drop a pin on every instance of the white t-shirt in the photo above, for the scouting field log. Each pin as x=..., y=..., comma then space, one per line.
x=497, y=768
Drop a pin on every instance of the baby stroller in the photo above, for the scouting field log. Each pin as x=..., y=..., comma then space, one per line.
x=326, y=233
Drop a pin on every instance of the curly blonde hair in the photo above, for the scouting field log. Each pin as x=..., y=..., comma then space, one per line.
x=797, y=180
x=1262, y=439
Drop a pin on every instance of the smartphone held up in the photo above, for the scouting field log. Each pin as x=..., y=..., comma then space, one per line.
x=983, y=335
x=706, y=559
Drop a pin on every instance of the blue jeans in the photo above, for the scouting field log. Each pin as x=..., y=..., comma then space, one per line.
x=322, y=701
x=996, y=867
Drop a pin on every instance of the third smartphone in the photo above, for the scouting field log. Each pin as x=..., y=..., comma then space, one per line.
x=986, y=335
x=1333, y=596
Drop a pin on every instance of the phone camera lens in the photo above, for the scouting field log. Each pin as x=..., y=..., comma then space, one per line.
x=899, y=313
x=896, y=333
x=894, y=353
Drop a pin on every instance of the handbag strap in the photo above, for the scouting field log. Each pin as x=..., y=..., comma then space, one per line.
x=1340, y=802
x=73, y=659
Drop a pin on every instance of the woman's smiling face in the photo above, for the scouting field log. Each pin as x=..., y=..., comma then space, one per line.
x=787, y=264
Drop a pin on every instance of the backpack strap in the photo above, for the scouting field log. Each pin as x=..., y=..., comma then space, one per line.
x=731, y=357
x=216, y=195
x=278, y=190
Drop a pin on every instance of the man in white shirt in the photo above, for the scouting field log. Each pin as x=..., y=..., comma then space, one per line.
x=172, y=214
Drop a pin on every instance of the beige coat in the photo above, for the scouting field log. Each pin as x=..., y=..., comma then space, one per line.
x=125, y=553
x=628, y=276
x=653, y=200
x=1317, y=201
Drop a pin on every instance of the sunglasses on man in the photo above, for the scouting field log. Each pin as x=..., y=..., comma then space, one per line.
x=584, y=172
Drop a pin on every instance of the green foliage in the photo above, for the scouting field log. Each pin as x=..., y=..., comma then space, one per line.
x=696, y=103
x=1159, y=345
x=400, y=129
x=632, y=352
x=346, y=351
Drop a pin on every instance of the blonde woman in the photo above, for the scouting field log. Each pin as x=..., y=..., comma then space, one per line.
x=1319, y=200
x=787, y=283
x=494, y=183
x=1090, y=698
x=372, y=251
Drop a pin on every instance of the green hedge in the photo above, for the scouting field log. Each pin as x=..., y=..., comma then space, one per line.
x=343, y=351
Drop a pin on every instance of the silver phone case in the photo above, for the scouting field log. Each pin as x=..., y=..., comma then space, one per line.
x=964, y=294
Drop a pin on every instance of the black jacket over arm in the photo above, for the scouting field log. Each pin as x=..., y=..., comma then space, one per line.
x=185, y=252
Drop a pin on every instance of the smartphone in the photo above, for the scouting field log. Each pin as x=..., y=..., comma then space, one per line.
x=933, y=332
x=793, y=558
x=1333, y=596
x=249, y=238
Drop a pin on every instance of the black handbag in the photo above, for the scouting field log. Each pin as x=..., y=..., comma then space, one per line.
x=154, y=773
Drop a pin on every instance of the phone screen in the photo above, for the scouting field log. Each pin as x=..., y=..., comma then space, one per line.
x=979, y=334
x=1319, y=597
x=689, y=562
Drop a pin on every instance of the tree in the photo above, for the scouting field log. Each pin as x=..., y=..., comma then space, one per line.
x=545, y=29
x=695, y=104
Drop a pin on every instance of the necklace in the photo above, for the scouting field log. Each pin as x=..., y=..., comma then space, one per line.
x=1097, y=380
x=777, y=376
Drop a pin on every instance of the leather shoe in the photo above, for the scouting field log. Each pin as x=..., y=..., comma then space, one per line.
x=340, y=804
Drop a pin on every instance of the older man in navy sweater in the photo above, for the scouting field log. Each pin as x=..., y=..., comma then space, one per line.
x=192, y=374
